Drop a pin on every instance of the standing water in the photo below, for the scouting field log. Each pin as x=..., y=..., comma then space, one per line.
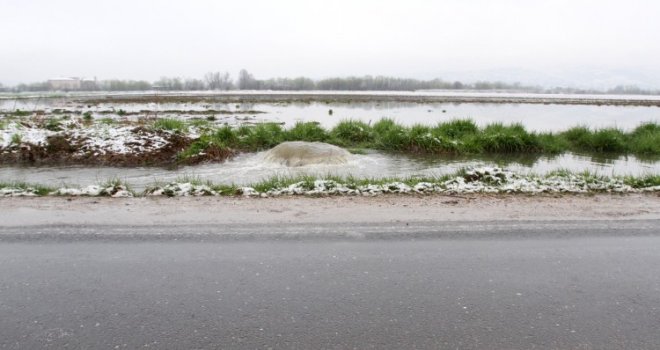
x=250, y=168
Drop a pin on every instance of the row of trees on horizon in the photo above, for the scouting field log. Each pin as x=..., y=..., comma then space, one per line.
x=223, y=81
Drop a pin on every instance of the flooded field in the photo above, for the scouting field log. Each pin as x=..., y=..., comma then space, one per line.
x=535, y=116
x=252, y=167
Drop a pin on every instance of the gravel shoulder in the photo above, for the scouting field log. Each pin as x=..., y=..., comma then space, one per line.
x=26, y=212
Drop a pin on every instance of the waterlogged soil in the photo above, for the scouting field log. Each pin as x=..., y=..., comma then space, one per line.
x=383, y=209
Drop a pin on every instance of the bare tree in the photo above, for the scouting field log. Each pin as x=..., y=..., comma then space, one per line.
x=246, y=81
x=194, y=84
x=226, y=82
x=212, y=80
x=218, y=81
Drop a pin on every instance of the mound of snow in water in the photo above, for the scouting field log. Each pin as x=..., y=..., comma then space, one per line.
x=299, y=153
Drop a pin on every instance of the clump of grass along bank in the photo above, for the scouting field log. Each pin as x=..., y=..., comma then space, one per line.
x=478, y=180
x=453, y=137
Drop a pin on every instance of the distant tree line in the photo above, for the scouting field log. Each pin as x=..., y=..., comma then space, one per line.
x=246, y=81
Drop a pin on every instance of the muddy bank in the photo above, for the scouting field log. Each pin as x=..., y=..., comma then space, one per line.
x=366, y=97
x=156, y=148
x=384, y=209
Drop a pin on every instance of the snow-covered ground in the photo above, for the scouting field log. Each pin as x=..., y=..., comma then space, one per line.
x=97, y=138
x=479, y=180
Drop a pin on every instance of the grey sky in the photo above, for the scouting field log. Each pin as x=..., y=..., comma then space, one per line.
x=581, y=42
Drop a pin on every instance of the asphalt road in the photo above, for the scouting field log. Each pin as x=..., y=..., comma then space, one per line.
x=507, y=285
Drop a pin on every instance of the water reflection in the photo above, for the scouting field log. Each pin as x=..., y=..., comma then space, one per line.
x=537, y=117
x=250, y=168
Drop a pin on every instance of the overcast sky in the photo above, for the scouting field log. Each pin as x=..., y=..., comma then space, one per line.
x=580, y=41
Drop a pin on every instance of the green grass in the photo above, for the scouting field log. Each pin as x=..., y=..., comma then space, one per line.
x=259, y=137
x=16, y=139
x=612, y=140
x=113, y=184
x=452, y=137
x=193, y=179
x=225, y=190
x=53, y=124
x=20, y=113
x=457, y=128
x=352, y=132
x=107, y=121
x=645, y=139
x=389, y=135
x=201, y=124
x=38, y=189
x=170, y=125
x=200, y=145
x=309, y=131
x=307, y=182
x=642, y=181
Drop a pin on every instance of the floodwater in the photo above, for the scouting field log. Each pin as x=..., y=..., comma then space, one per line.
x=536, y=117
x=251, y=168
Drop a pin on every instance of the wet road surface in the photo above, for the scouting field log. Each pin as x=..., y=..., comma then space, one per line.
x=579, y=285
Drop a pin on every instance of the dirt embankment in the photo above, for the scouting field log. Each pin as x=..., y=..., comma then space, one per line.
x=66, y=150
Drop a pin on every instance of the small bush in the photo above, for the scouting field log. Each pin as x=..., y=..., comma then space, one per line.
x=87, y=116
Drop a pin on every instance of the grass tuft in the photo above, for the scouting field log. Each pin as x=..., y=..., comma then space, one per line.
x=170, y=125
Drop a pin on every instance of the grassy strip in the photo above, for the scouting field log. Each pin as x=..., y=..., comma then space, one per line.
x=453, y=137
x=456, y=137
x=36, y=189
x=192, y=185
